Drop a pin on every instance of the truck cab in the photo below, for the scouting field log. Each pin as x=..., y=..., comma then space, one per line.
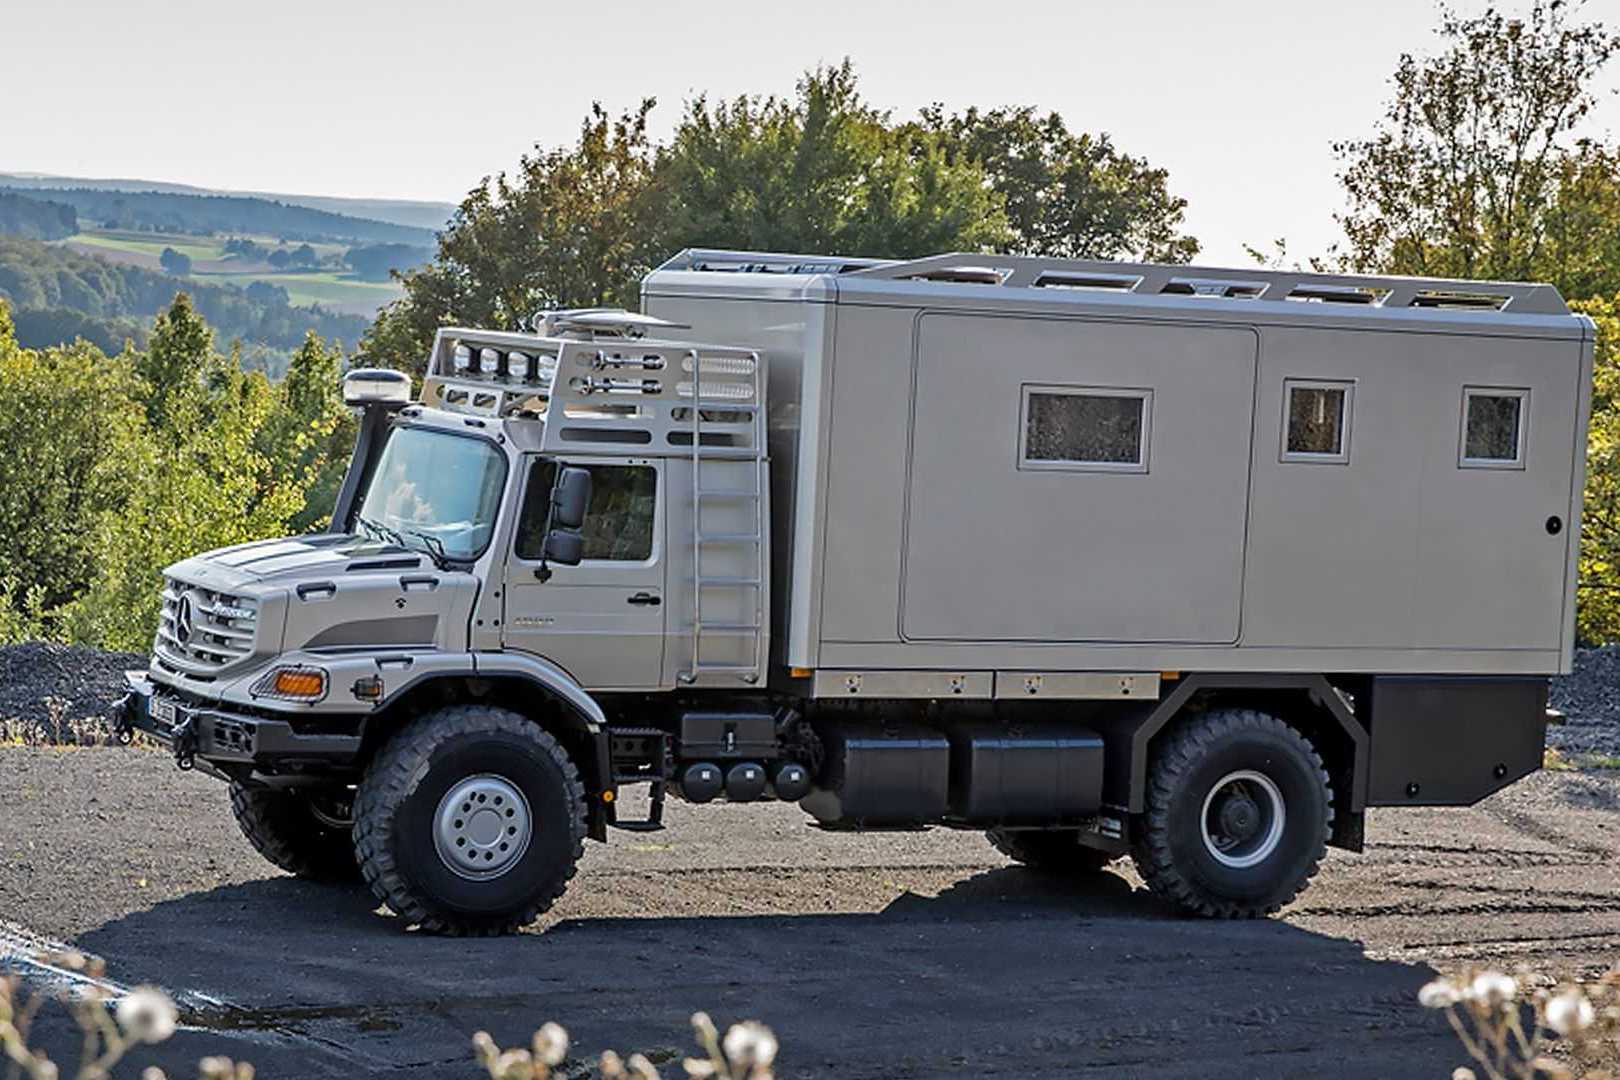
x=973, y=542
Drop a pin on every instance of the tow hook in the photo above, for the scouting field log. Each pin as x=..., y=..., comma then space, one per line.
x=185, y=744
x=123, y=727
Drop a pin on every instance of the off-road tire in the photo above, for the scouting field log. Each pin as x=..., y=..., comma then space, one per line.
x=281, y=827
x=394, y=809
x=1170, y=850
x=1052, y=851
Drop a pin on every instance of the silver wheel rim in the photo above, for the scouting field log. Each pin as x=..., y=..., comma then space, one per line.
x=482, y=827
x=1229, y=837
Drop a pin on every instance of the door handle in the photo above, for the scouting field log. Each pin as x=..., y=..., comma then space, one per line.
x=646, y=599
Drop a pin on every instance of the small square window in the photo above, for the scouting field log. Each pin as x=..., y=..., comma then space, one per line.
x=1493, y=428
x=1083, y=428
x=1316, y=421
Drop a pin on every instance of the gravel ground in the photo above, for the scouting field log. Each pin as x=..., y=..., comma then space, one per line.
x=909, y=955
x=1590, y=701
x=59, y=693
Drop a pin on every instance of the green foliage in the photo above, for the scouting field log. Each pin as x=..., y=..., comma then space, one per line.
x=36, y=219
x=377, y=262
x=1472, y=173
x=1066, y=195
x=571, y=228
x=823, y=171
x=118, y=466
x=1598, y=610
x=174, y=262
x=67, y=419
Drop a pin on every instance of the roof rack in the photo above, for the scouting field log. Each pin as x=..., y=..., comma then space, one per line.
x=764, y=262
x=1026, y=271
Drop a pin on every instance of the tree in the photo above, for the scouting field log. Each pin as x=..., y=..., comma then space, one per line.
x=1067, y=195
x=279, y=258
x=570, y=228
x=69, y=419
x=1598, y=596
x=1472, y=165
x=821, y=173
x=179, y=355
x=303, y=256
x=174, y=262
x=310, y=436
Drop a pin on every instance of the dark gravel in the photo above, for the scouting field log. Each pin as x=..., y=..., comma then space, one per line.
x=1590, y=702
x=59, y=693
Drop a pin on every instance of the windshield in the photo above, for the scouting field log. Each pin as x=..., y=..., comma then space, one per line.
x=435, y=491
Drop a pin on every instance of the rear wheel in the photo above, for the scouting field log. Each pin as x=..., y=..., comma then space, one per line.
x=470, y=821
x=303, y=832
x=1055, y=851
x=1238, y=813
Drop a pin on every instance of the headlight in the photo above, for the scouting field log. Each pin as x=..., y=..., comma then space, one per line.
x=295, y=683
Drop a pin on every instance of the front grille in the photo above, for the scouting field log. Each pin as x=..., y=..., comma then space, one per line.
x=214, y=632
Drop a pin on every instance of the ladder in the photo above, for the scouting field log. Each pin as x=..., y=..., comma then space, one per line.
x=731, y=475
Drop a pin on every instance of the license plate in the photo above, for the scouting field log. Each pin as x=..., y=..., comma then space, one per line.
x=163, y=711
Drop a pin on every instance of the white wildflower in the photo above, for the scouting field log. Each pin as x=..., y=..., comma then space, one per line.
x=551, y=1044
x=1462, y=1072
x=1439, y=994
x=513, y=1065
x=750, y=1044
x=1493, y=989
x=152, y=1072
x=1570, y=1013
x=147, y=1015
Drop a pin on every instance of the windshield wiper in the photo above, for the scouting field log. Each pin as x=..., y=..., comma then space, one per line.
x=435, y=548
x=379, y=531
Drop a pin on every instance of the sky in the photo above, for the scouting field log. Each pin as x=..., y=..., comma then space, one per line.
x=419, y=99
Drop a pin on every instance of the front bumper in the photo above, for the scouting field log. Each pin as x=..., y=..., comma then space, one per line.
x=220, y=737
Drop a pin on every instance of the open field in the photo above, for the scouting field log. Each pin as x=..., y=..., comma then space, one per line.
x=878, y=955
x=333, y=290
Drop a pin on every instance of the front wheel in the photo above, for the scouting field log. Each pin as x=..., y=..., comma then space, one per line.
x=1238, y=814
x=304, y=832
x=470, y=821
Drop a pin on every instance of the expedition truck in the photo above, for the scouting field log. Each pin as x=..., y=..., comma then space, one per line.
x=1097, y=558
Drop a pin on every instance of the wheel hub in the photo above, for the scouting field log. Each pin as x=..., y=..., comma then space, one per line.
x=482, y=827
x=1243, y=819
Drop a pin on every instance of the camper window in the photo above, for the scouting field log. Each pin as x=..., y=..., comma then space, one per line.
x=1085, y=428
x=1316, y=421
x=1493, y=428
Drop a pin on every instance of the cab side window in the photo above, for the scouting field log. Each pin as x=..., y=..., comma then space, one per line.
x=618, y=522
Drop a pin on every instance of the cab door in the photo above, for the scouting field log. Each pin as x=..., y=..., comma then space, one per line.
x=603, y=620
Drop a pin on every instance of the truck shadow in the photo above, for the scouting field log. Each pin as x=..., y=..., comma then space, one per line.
x=1006, y=970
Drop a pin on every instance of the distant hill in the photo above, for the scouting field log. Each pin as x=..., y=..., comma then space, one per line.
x=412, y=213
x=57, y=294
x=205, y=215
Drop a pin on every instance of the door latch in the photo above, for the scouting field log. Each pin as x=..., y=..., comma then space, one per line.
x=646, y=599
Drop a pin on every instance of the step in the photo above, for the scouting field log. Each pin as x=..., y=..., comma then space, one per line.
x=728, y=628
x=729, y=538
x=737, y=582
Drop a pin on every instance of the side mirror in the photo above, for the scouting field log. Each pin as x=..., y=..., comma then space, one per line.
x=565, y=546
x=569, y=499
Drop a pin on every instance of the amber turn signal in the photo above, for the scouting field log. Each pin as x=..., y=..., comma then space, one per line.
x=300, y=683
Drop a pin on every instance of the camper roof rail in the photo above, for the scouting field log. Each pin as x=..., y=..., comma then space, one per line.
x=1011, y=271
x=763, y=262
